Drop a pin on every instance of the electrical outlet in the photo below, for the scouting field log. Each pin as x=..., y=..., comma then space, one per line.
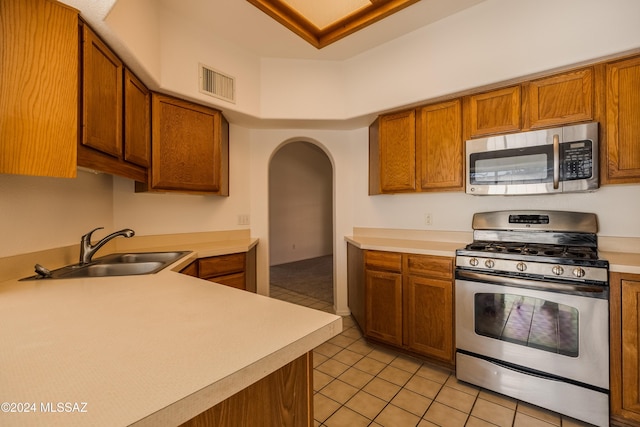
x=428, y=219
x=243, y=219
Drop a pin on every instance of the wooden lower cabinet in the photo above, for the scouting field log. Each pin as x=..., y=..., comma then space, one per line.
x=408, y=301
x=282, y=399
x=383, y=302
x=625, y=348
x=429, y=316
x=236, y=270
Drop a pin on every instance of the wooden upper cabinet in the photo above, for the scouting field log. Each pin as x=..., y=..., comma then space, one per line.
x=439, y=146
x=101, y=96
x=623, y=121
x=498, y=111
x=137, y=121
x=39, y=88
x=559, y=99
x=392, y=153
x=115, y=113
x=190, y=147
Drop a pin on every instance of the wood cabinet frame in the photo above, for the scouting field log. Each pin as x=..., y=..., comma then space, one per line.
x=622, y=155
x=408, y=302
x=625, y=348
x=39, y=85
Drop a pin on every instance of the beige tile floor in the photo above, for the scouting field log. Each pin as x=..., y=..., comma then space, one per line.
x=357, y=383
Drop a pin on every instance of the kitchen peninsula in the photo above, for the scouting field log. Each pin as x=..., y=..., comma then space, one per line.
x=151, y=350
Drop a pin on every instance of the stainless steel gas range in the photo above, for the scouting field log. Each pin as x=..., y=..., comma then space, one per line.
x=532, y=311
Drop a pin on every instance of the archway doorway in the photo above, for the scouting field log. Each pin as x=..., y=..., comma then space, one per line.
x=301, y=225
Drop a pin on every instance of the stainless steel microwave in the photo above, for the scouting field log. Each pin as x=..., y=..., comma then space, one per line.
x=558, y=160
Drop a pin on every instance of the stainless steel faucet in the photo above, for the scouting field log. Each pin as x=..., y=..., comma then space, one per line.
x=87, y=250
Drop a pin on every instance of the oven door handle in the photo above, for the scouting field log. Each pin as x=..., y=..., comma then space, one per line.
x=532, y=284
x=556, y=162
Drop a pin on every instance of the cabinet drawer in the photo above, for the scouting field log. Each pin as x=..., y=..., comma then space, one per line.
x=433, y=266
x=221, y=265
x=236, y=280
x=387, y=261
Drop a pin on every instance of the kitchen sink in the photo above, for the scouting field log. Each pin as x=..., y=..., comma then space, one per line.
x=118, y=264
x=142, y=257
x=118, y=269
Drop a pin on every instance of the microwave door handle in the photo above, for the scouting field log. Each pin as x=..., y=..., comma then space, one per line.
x=556, y=161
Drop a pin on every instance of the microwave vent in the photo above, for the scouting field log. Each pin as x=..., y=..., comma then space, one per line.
x=217, y=84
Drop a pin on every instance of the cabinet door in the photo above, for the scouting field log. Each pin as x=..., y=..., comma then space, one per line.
x=623, y=121
x=497, y=111
x=560, y=99
x=101, y=96
x=38, y=88
x=137, y=120
x=392, y=149
x=429, y=314
x=630, y=349
x=439, y=147
x=383, y=306
x=190, y=147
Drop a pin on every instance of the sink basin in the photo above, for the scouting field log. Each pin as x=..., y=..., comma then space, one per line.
x=118, y=264
x=142, y=257
x=119, y=269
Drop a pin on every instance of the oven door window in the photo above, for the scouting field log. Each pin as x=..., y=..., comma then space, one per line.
x=527, y=321
x=512, y=166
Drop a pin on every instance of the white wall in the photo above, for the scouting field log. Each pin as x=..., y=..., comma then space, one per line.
x=338, y=146
x=38, y=213
x=490, y=42
x=300, y=203
x=184, y=45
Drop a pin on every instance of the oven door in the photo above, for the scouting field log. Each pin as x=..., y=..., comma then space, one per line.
x=560, y=334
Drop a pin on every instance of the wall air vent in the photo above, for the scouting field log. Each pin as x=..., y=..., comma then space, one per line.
x=215, y=83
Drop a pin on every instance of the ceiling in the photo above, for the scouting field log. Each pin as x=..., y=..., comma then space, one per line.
x=323, y=23
x=241, y=23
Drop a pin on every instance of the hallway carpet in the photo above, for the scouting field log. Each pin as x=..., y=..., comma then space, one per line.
x=311, y=277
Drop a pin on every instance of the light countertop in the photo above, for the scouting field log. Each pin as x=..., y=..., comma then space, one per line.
x=622, y=262
x=619, y=261
x=423, y=247
x=146, y=350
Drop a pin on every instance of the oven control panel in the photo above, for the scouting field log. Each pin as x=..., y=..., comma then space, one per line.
x=534, y=269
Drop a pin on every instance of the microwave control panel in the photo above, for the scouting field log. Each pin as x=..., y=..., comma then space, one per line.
x=577, y=160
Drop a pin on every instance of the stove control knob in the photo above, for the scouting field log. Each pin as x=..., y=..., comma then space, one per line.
x=557, y=270
x=489, y=263
x=578, y=272
x=474, y=262
x=521, y=266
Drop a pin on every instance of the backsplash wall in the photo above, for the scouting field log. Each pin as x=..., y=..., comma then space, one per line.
x=38, y=213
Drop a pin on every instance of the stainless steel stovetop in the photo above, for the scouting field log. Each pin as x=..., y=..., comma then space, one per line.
x=550, y=245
